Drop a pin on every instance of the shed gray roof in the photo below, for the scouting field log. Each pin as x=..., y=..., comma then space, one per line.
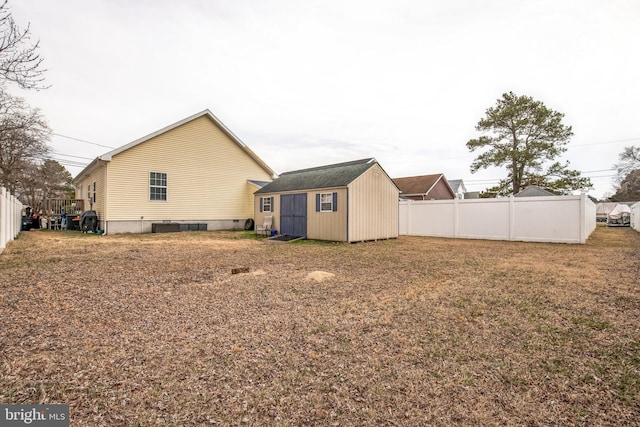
x=337, y=175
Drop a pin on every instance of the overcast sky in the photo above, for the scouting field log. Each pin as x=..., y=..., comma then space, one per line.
x=308, y=83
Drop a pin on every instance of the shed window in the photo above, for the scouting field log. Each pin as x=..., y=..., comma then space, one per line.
x=157, y=186
x=326, y=202
x=266, y=204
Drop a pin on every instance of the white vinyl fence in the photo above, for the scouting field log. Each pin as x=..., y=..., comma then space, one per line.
x=635, y=216
x=560, y=219
x=10, y=217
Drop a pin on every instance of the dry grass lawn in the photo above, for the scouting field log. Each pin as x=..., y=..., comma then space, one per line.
x=155, y=330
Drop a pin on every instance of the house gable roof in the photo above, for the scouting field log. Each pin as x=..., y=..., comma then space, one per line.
x=336, y=175
x=534, y=191
x=109, y=156
x=455, y=185
x=420, y=185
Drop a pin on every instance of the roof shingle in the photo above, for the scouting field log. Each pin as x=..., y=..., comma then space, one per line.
x=417, y=184
x=336, y=175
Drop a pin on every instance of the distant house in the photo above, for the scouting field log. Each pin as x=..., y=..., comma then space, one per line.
x=534, y=191
x=345, y=202
x=425, y=187
x=193, y=171
x=472, y=195
x=458, y=187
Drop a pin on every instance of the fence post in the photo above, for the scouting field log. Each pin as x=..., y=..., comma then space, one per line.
x=456, y=218
x=583, y=217
x=3, y=218
x=17, y=217
x=409, y=209
x=10, y=217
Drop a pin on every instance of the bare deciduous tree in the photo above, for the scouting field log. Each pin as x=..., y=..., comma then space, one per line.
x=20, y=61
x=23, y=139
x=49, y=180
x=629, y=161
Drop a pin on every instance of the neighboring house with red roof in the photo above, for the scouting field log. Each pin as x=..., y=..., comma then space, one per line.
x=425, y=187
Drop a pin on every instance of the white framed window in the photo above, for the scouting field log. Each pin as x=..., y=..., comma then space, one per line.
x=266, y=204
x=157, y=186
x=326, y=202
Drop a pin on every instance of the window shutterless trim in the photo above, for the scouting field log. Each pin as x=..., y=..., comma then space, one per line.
x=158, y=185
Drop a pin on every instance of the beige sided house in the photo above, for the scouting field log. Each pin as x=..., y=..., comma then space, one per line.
x=345, y=202
x=194, y=172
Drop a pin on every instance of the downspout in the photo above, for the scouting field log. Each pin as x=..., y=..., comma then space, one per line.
x=105, y=198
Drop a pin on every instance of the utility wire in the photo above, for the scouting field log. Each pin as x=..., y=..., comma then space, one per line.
x=71, y=155
x=607, y=142
x=82, y=140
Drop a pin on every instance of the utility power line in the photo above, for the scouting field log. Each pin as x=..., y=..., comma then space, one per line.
x=71, y=155
x=607, y=142
x=82, y=140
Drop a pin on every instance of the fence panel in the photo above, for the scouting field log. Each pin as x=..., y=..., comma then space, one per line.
x=561, y=219
x=10, y=217
x=635, y=216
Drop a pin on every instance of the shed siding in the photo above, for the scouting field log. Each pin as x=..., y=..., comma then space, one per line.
x=373, y=206
x=320, y=225
x=206, y=176
x=327, y=225
x=259, y=216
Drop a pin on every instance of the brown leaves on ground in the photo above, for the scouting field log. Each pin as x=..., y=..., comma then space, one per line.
x=154, y=329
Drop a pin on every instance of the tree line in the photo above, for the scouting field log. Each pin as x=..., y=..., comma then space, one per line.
x=25, y=169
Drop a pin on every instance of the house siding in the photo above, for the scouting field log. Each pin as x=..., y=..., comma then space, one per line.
x=97, y=175
x=440, y=191
x=373, y=206
x=206, y=171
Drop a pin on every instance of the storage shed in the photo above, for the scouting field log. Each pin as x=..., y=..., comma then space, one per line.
x=345, y=202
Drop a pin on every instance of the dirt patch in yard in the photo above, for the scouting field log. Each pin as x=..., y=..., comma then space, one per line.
x=155, y=329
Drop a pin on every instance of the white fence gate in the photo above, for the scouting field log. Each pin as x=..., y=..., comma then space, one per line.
x=560, y=219
x=10, y=217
